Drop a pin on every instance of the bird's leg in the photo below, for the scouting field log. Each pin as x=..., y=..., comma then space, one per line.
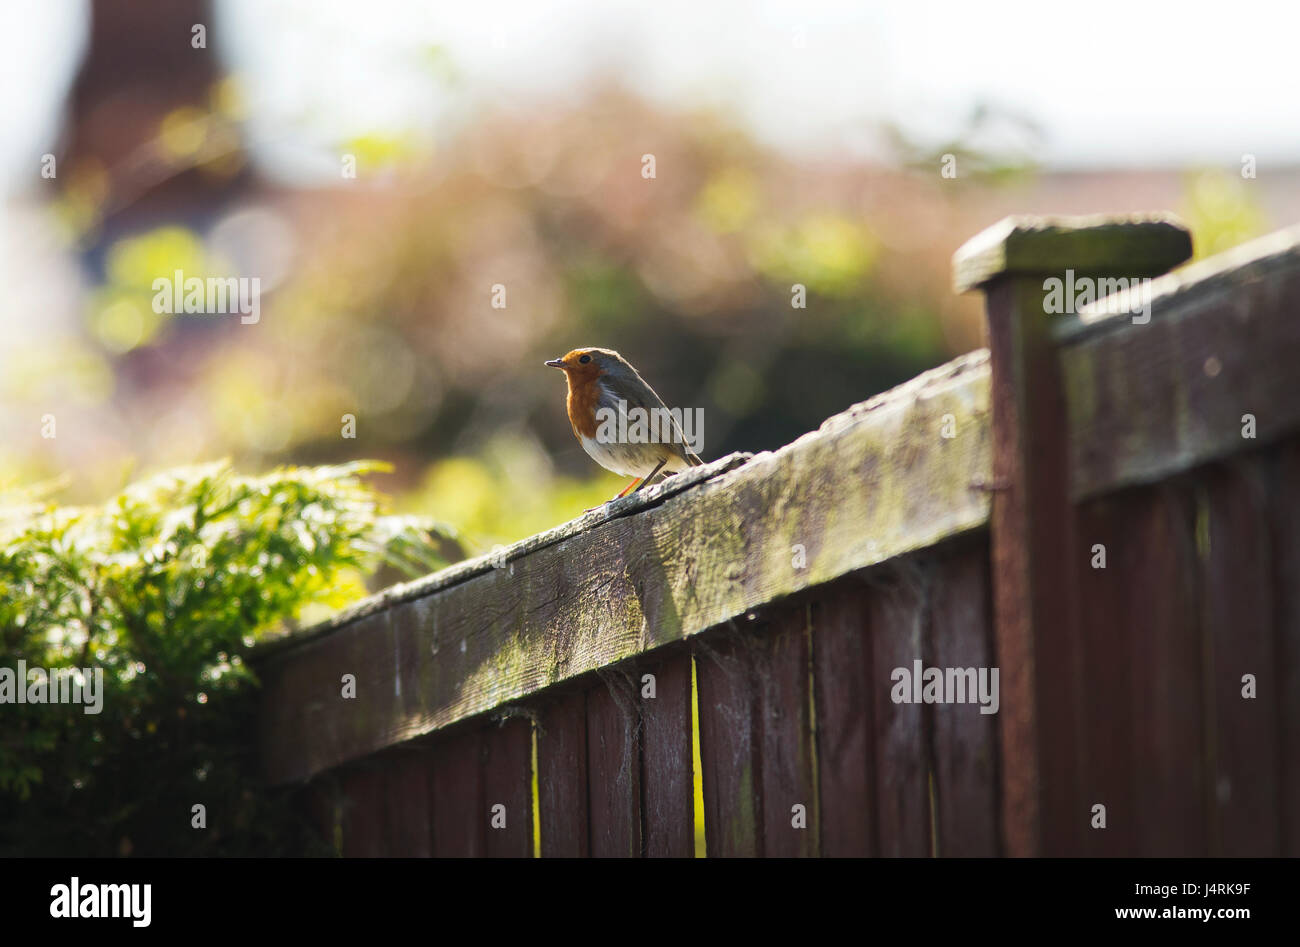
x=647, y=480
x=628, y=489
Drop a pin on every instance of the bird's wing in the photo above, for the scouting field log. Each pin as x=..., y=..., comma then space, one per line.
x=644, y=397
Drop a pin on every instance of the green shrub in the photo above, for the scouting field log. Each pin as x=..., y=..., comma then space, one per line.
x=166, y=588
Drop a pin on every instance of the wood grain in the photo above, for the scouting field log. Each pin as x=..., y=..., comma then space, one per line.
x=730, y=743
x=845, y=684
x=562, y=775
x=785, y=704
x=507, y=749
x=459, y=814
x=874, y=482
x=1150, y=401
x=614, y=766
x=667, y=787
x=965, y=740
x=897, y=615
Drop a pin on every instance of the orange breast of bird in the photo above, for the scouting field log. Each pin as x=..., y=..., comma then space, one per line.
x=584, y=399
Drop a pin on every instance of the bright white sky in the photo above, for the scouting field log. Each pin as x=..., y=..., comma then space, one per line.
x=1112, y=82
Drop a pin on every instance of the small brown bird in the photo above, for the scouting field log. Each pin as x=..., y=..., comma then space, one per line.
x=619, y=420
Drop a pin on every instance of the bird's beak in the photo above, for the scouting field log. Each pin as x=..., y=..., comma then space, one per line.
x=556, y=363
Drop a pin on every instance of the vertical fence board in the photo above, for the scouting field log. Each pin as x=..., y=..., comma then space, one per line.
x=897, y=616
x=364, y=827
x=841, y=680
x=508, y=781
x=1285, y=517
x=1167, y=681
x=319, y=801
x=668, y=791
x=732, y=771
x=614, y=768
x=408, y=815
x=1107, y=631
x=1238, y=611
x=459, y=818
x=787, y=733
x=562, y=776
x=965, y=740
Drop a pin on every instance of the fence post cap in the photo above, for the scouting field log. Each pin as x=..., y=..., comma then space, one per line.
x=1097, y=244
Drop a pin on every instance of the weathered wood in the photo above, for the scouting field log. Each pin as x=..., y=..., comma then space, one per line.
x=1031, y=522
x=1236, y=579
x=729, y=745
x=407, y=810
x=1284, y=514
x=788, y=752
x=1147, y=401
x=562, y=776
x=614, y=766
x=488, y=563
x=365, y=828
x=668, y=790
x=1138, y=245
x=1108, y=778
x=897, y=617
x=965, y=739
x=872, y=483
x=844, y=683
x=508, y=781
x=1031, y=529
x=1119, y=686
x=1168, y=712
x=459, y=815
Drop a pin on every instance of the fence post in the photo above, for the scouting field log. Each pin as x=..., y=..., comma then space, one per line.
x=1032, y=525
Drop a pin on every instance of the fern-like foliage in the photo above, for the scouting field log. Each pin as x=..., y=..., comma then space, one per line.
x=166, y=588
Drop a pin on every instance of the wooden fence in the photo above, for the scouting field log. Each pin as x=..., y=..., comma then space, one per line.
x=1103, y=507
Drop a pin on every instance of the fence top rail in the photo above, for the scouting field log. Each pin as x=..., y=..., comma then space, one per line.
x=468, y=569
x=1161, y=371
x=973, y=364
x=897, y=473
x=1249, y=262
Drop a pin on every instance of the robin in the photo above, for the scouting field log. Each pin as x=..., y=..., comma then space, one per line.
x=605, y=391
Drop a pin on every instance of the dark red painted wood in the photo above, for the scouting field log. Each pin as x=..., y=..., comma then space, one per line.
x=1238, y=611
x=965, y=739
x=1168, y=676
x=459, y=816
x=666, y=767
x=1108, y=777
x=842, y=677
x=787, y=735
x=507, y=781
x=365, y=830
x=1284, y=515
x=729, y=743
x=614, y=767
x=1030, y=525
x=562, y=776
x=901, y=759
x=408, y=815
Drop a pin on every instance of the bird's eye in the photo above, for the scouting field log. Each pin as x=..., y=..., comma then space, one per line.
x=585, y=359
